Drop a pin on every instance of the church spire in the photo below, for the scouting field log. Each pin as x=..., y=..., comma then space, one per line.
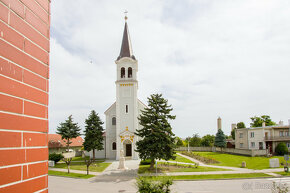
x=126, y=48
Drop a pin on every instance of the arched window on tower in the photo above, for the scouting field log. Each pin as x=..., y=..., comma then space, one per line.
x=114, y=121
x=122, y=72
x=129, y=72
x=114, y=146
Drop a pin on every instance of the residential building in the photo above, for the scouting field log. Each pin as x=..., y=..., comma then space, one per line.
x=58, y=145
x=265, y=137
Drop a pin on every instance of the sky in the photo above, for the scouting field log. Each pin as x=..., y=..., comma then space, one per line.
x=208, y=58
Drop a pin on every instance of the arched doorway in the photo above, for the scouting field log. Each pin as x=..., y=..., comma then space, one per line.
x=127, y=147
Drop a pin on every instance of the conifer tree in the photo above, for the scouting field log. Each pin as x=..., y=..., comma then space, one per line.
x=157, y=139
x=220, y=139
x=93, y=133
x=68, y=130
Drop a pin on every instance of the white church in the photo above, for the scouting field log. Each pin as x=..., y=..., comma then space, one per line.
x=121, y=116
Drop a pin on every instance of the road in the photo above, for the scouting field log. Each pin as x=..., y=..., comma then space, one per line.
x=126, y=185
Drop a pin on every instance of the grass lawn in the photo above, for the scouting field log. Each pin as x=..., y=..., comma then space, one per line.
x=211, y=176
x=95, y=167
x=283, y=173
x=181, y=159
x=176, y=168
x=71, y=175
x=257, y=163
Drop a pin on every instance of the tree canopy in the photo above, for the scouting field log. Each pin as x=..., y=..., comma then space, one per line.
x=258, y=121
x=157, y=140
x=241, y=125
x=220, y=139
x=68, y=130
x=93, y=133
x=207, y=140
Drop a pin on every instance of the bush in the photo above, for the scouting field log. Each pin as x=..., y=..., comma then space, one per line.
x=55, y=157
x=281, y=149
x=146, y=185
x=145, y=162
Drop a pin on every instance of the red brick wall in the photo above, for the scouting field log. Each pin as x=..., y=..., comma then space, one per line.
x=24, y=74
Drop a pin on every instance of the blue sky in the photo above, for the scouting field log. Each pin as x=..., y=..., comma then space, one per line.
x=208, y=58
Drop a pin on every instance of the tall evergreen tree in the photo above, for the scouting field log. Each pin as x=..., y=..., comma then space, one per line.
x=68, y=130
x=94, y=133
x=220, y=139
x=157, y=139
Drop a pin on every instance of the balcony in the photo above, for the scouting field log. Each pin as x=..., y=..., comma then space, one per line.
x=277, y=138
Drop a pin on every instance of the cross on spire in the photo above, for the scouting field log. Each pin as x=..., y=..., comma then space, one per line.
x=126, y=17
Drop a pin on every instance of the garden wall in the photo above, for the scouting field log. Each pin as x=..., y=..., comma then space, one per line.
x=248, y=152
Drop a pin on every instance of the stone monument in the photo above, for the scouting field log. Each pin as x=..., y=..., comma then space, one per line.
x=274, y=163
x=122, y=161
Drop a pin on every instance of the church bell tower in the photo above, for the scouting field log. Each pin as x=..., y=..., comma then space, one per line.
x=126, y=98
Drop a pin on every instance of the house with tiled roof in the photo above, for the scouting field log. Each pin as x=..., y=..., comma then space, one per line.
x=58, y=145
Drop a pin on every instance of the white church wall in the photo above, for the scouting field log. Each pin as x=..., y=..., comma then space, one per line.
x=98, y=154
x=110, y=133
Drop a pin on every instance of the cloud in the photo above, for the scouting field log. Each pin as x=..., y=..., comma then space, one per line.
x=208, y=58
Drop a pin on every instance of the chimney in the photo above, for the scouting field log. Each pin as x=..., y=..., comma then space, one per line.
x=219, y=123
x=263, y=124
x=281, y=123
x=234, y=126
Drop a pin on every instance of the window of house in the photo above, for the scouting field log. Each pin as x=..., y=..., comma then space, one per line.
x=129, y=72
x=281, y=133
x=241, y=145
x=252, y=144
x=114, y=146
x=114, y=121
x=252, y=134
x=286, y=133
x=241, y=135
x=288, y=145
x=122, y=72
x=260, y=145
x=127, y=108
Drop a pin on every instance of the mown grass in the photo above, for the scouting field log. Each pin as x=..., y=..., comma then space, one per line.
x=224, y=159
x=181, y=159
x=71, y=175
x=163, y=167
x=211, y=176
x=94, y=167
x=283, y=173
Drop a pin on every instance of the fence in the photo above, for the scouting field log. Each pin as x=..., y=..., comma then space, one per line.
x=248, y=152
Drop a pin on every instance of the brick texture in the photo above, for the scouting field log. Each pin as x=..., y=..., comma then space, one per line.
x=10, y=139
x=24, y=79
x=11, y=174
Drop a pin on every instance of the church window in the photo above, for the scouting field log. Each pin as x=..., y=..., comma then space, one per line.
x=114, y=121
x=129, y=72
x=127, y=108
x=114, y=146
x=122, y=72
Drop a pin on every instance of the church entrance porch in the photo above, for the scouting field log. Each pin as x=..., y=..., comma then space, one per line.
x=127, y=147
x=128, y=150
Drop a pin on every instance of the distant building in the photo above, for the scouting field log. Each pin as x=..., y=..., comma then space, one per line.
x=57, y=145
x=219, y=123
x=265, y=137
